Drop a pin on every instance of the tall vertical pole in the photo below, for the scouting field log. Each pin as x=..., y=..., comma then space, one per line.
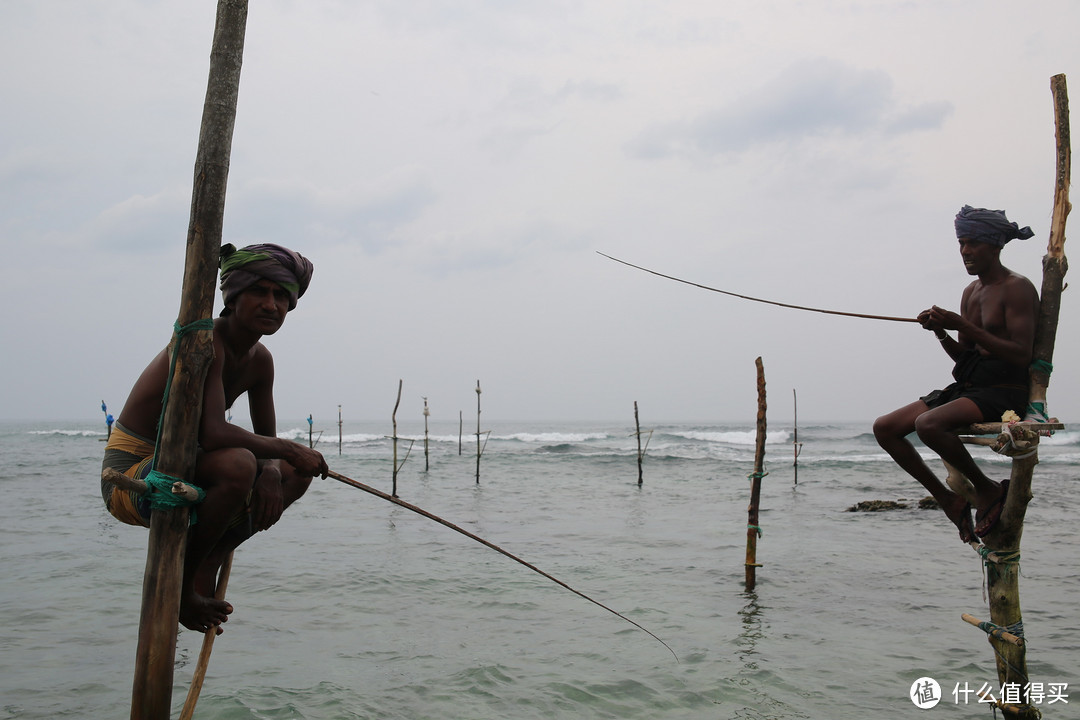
x=640, y=455
x=753, y=530
x=479, y=449
x=797, y=446
x=155, y=655
x=338, y=429
x=1003, y=578
x=393, y=420
x=427, y=413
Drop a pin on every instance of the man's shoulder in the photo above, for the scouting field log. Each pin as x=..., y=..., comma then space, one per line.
x=1016, y=281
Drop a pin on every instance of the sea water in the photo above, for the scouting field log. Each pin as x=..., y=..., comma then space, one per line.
x=351, y=607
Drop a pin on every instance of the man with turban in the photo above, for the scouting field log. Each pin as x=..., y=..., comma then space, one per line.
x=995, y=335
x=250, y=477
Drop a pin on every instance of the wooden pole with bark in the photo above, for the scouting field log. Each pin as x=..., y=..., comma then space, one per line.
x=640, y=454
x=155, y=654
x=1021, y=440
x=753, y=529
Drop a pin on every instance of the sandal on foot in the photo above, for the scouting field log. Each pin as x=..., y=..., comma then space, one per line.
x=992, y=514
x=967, y=527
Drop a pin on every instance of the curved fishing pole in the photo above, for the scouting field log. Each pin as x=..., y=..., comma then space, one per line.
x=768, y=302
x=493, y=546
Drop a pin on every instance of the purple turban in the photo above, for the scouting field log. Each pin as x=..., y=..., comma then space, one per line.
x=240, y=269
x=988, y=226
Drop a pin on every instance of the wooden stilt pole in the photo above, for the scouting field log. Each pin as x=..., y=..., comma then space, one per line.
x=479, y=448
x=338, y=429
x=152, y=691
x=640, y=450
x=753, y=529
x=393, y=420
x=1002, y=544
x=795, y=441
x=640, y=455
x=427, y=414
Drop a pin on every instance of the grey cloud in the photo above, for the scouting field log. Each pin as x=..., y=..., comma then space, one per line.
x=814, y=98
x=295, y=212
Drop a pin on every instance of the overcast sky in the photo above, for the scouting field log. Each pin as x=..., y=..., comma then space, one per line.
x=452, y=169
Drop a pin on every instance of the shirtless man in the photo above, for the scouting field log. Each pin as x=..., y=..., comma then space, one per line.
x=992, y=350
x=249, y=477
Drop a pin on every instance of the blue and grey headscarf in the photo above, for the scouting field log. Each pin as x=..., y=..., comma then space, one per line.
x=240, y=269
x=988, y=226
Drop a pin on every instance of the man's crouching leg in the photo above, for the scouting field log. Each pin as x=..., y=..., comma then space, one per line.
x=227, y=477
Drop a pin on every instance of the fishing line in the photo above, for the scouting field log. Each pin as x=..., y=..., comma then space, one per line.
x=493, y=546
x=767, y=302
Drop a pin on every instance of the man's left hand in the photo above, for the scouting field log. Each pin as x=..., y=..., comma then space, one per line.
x=267, y=501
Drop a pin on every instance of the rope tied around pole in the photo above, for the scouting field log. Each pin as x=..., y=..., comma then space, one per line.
x=755, y=527
x=159, y=490
x=757, y=474
x=1000, y=557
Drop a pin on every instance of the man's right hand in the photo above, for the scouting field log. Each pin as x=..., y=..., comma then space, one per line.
x=306, y=461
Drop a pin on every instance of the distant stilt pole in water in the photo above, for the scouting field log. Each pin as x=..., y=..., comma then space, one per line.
x=479, y=449
x=427, y=413
x=108, y=420
x=753, y=529
x=310, y=432
x=640, y=450
x=338, y=429
x=640, y=455
x=393, y=420
x=460, y=428
x=797, y=445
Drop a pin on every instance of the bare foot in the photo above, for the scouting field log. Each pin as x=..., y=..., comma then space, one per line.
x=201, y=613
x=959, y=513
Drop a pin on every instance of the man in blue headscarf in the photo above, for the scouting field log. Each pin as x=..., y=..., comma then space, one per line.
x=995, y=335
x=250, y=477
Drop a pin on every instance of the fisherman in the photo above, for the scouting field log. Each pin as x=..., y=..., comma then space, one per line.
x=995, y=334
x=249, y=477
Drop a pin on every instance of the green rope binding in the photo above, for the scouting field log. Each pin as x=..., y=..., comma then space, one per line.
x=1042, y=366
x=755, y=527
x=1011, y=557
x=159, y=488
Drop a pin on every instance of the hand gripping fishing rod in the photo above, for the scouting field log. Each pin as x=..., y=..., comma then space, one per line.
x=767, y=302
x=493, y=546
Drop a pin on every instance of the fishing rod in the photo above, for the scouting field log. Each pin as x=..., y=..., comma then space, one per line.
x=431, y=516
x=768, y=302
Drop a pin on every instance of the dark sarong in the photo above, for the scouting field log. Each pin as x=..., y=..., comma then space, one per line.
x=992, y=384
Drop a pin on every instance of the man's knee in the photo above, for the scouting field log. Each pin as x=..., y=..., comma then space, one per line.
x=888, y=427
x=295, y=485
x=233, y=468
x=929, y=426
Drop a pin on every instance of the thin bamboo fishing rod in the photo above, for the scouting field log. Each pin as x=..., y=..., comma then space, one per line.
x=493, y=546
x=199, y=675
x=767, y=302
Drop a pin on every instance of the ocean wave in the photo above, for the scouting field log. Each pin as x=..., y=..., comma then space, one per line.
x=68, y=433
x=734, y=437
x=301, y=434
x=552, y=438
x=1062, y=437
